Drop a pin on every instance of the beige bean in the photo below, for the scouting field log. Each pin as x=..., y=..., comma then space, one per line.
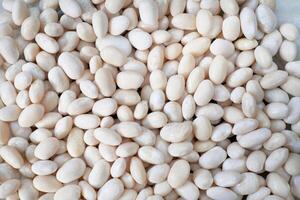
x=70, y=8
x=46, y=183
x=148, y=11
x=175, y=87
x=99, y=174
x=151, y=155
x=183, y=131
x=10, y=113
x=46, y=43
x=68, y=192
x=254, y=138
x=220, y=192
x=107, y=136
x=75, y=143
x=204, y=93
x=100, y=23
x=239, y=77
x=72, y=65
x=46, y=148
x=19, y=12
x=71, y=170
x=276, y=159
x=289, y=31
x=249, y=184
x=218, y=69
x=231, y=28
x=9, y=50
x=44, y=167
x=30, y=28
x=85, y=32
x=278, y=185
x=176, y=179
x=79, y=106
x=184, y=21
x=112, y=189
x=129, y=80
x=256, y=161
x=212, y=158
x=30, y=115
x=222, y=47
x=288, y=51
x=139, y=39
x=248, y=22
x=12, y=156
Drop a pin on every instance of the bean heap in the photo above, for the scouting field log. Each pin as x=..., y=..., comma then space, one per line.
x=148, y=100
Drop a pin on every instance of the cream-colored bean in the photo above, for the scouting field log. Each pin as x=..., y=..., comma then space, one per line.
x=79, y=106
x=212, y=158
x=139, y=39
x=68, y=192
x=254, y=138
x=256, y=161
x=9, y=50
x=87, y=121
x=239, y=77
x=47, y=43
x=58, y=79
x=204, y=93
x=107, y=136
x=277, y=110
x=129, y=80
x=112, y=189
x=263, y=57
x=70, y=8
x=12, y=156
x=148, y=11
x=245, y=44
x=178, y=179
x=276, y=159
x=85, y=32
x=44, y=167
x=184, y=21
x=248, y=22
x=151, y=155
x=186, y=65
x=10, y=113
x=175, y=87
x=204, y=22
x=119, y=42
x=218, y=69
x=231, y=28
x=30, y=115
x=278, y=185
x=99, y=174
x=266, y=18
x=71, y=170
x=46, y=148
x=289, y=31
x=288, y=51
x=222, y=47
x=249, y=184
x=220, y=192
x=75, y=143
x=127, y=97
x=71, y=65
x=100, y=23
x=46, y=183
x=19, y=12
x=172, y=51
x=30, y=28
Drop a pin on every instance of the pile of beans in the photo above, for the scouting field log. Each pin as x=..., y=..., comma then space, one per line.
x=148, y=100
